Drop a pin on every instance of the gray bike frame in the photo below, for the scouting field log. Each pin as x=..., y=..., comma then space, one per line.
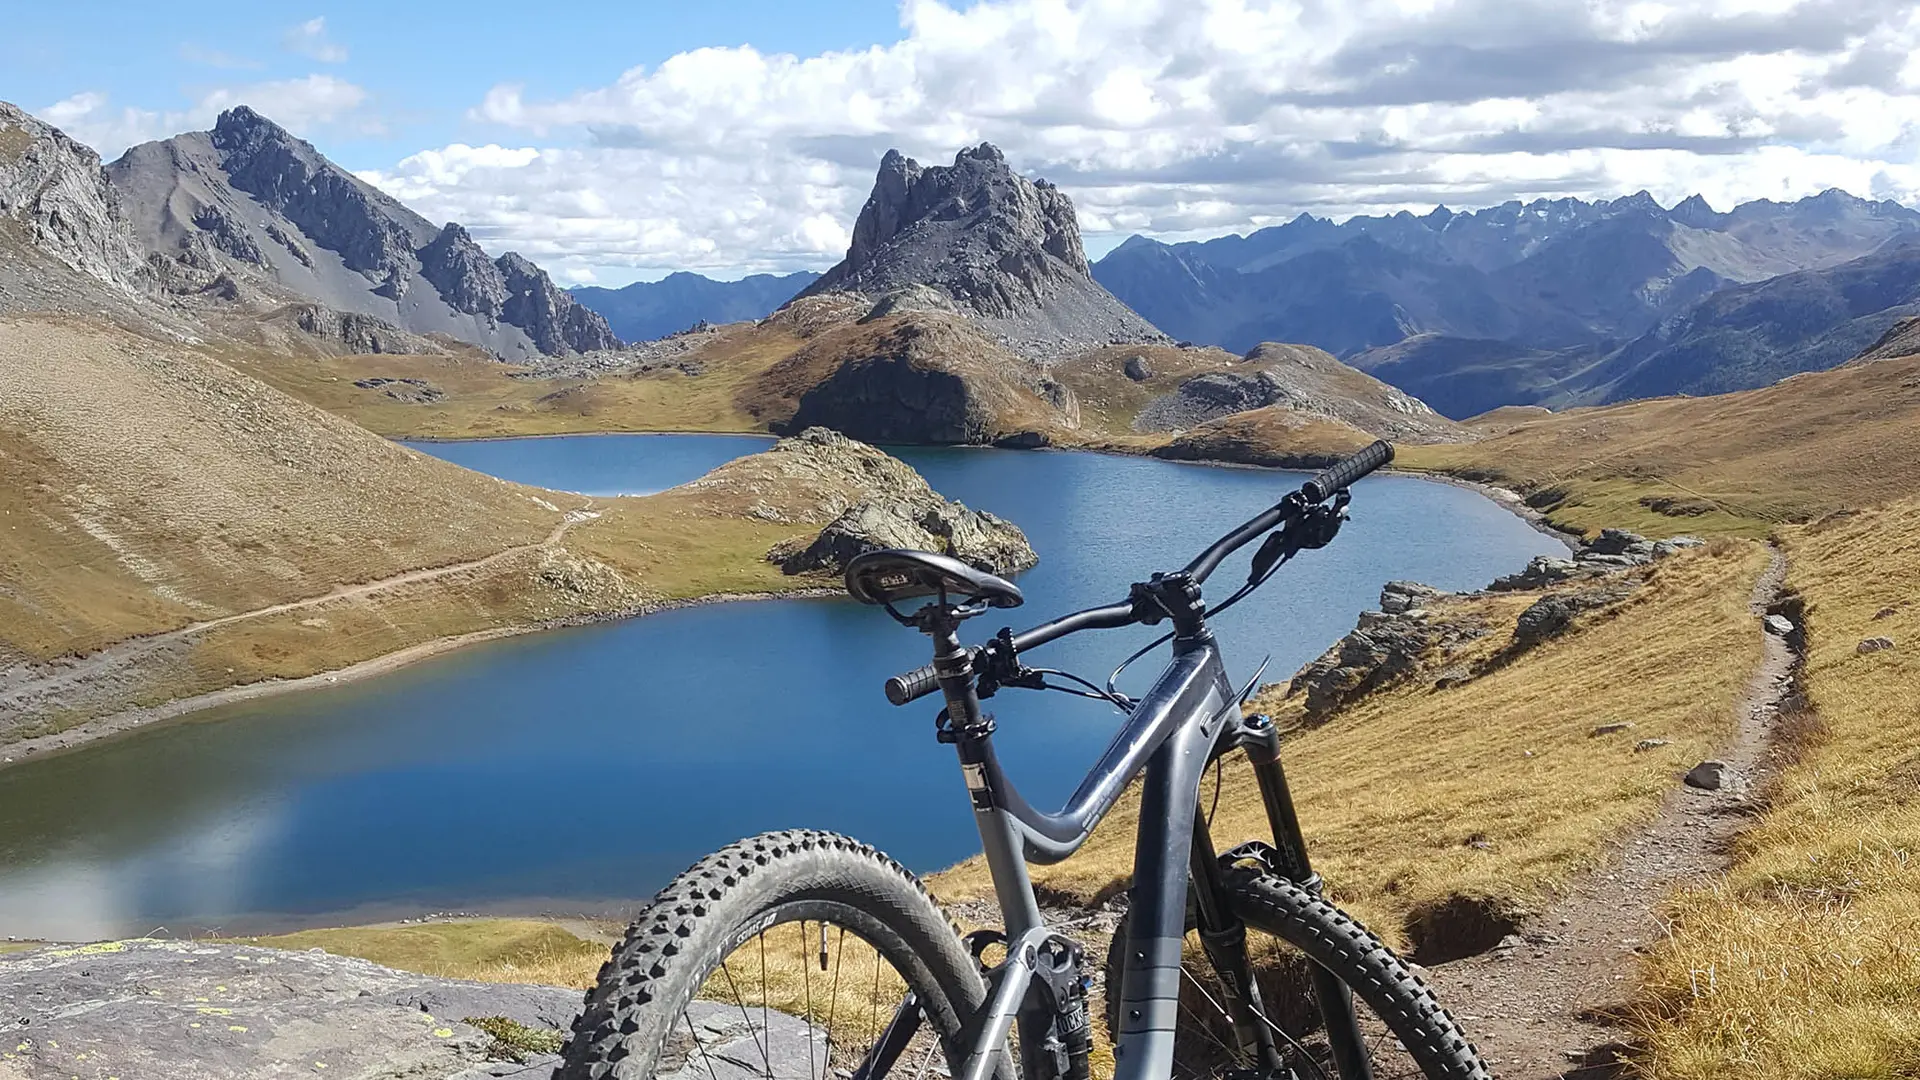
x=1170, y=734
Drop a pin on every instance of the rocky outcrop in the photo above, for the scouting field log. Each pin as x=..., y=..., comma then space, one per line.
x=54, y=193
x=554, y=320
x=1304, y=380
x=1613, y=549
x=236, y=1012
x=899, y=510
x=1386, y=647
x=466, y=278
x=149, y=1008
x=250, y=201
x=1003, y=248
x=357, y=333
x=1553, y=614
x=921, y=378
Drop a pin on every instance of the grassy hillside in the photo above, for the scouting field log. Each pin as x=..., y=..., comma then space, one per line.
x=170, y=527
x=145, y=487
x=1803, y=962
x=1738, y=463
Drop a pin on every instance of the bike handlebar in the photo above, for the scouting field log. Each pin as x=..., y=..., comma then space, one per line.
x=1341, y=474
x=921, y=681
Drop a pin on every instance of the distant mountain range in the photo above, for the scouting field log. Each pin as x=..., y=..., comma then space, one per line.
x=1556, y=302
x=646, y=310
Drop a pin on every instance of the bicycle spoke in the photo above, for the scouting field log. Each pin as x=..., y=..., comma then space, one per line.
x=697, y=1044
x=766, y=1025
x=806, y=979
x=833, y=997
x=758, y=1042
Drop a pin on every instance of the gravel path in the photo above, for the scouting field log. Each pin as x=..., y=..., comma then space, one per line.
x=1545, y=1003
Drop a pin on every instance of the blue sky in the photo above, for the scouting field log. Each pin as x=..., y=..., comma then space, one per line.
x=614, y=142
x=424, y=63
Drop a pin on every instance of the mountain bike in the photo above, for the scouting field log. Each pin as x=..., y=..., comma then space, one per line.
x=832, y=950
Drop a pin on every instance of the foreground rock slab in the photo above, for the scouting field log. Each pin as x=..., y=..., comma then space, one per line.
x=203, y=1011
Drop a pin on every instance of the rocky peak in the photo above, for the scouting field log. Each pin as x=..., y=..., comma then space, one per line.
x=251, y=203
x=1005, y=248
x=551, y=317
x=53, y=190
x=1694, y=211
x=466, y=278
x=373, y=233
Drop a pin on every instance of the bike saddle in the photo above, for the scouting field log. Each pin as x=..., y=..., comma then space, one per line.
x=883, y=577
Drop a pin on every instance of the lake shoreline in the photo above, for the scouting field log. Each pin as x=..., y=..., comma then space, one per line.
x=128, y=721
x=132, y=720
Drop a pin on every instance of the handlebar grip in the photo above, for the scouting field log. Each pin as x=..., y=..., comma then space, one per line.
x=1343, y=473
x=912, y=685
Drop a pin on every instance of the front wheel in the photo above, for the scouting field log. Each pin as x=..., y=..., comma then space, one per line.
x=787, y=956
x=1405, y=1031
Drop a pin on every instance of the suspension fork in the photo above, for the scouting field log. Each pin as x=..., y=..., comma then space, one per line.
x=1224, y=938
x=1262, y=744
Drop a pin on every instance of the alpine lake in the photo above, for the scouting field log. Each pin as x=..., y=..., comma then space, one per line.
x=577, y=770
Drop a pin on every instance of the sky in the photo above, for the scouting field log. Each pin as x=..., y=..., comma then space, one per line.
x=619, y=142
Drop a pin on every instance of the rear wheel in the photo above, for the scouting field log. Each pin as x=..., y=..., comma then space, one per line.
x=1406, y=1032
x=787, y=956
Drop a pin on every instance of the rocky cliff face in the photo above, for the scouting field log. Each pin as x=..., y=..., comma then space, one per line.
x=1005, y=249
x=54, y=193
x=555, y=321
x=249, y=211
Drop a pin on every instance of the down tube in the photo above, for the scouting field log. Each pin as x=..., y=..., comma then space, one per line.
x=1157, y=914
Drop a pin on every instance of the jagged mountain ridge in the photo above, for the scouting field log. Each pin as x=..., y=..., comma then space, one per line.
x=1004, y=250
x=648, y=310
x=248, y=204
x=59, y=201
x=1558, y=279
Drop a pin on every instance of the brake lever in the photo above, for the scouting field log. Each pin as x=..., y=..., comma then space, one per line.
x=1314, y=527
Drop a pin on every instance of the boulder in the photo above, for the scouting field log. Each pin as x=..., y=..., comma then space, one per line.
x=1645, y=745
x=1873, y=645
x=1542, y=571
x=228, y=1012
x=1551, y=615
x=1400, y=597
x=1779, y=624
x=1136, y=368
x=1713, y=776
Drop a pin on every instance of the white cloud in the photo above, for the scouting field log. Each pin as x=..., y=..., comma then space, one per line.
x=299, y=105
x=309, y=39
x=1180, y=117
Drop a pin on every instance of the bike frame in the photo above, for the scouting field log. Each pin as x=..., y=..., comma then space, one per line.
x=1188, y=718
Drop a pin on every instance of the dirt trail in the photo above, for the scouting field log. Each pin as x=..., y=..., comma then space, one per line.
x=24, y=684
x=1543, y=1004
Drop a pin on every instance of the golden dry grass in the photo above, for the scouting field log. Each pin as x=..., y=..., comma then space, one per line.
x=1805, y=961
x=483, y=950
x=144, y=486
x=1492, y=789
x=307, y=545
x=485, y=399
x=1736, y=463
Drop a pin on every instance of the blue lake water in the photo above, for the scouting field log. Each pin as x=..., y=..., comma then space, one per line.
x=576, y=770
